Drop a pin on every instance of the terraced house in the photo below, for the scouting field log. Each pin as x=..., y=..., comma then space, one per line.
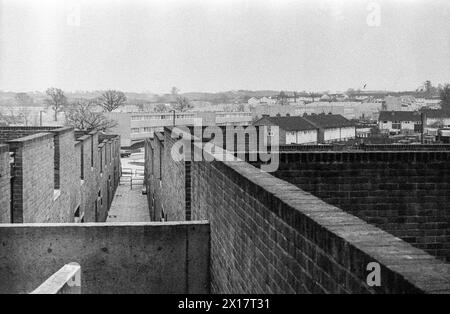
x=55, y=175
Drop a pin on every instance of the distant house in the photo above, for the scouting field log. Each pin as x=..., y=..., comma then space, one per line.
x=437, y=118
x=273, y=110
x=401, y=103
x=261, y=101
x=325, y=97
x=292, y=130
x=363, y=132
x=311, y=129
x=332, y=127
x=267, y=100
x=253, y=101
x=397, y=121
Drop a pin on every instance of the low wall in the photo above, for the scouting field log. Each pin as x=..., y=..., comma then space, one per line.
x=114, y=258
x=404, y=193
x=8, y=133
x=269, y=236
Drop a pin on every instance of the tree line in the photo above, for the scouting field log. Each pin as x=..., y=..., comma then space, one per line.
x=82, y=113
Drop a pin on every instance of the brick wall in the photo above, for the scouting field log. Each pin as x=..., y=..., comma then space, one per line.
x=33, y=179
x=88, y=186
x=5, y=189
x=67, y=173
x=47, y=183
x=174, y=184
x=154, y=150
x=94, y=208
x=269, y=236
x=12, y=133
x=173, y=191
x=404, y=193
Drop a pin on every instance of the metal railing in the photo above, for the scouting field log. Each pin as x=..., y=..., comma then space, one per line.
x=132, y=176
x=67, y=280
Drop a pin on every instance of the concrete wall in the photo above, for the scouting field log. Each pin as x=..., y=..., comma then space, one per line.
x=114, y=258
x=404, y=193
x=5, y=189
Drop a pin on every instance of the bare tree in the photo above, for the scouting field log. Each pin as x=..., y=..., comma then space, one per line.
x=241, y=107
x=56, y=100
x=11, y=117
x=23, y=100
x=313, y=95
x=81, y=116
x=160, y=108
x=111, y=100
x=182, y=104
x=282, y=98
x=295, y=96
x=444, y=94
x=25, y=115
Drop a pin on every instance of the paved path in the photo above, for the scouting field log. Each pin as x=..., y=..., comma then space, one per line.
x=129, y=205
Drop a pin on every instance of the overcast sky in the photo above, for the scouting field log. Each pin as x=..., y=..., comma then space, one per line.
x=208, y=45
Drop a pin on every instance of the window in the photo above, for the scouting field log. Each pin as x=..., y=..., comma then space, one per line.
x=160, y=163
x=76, y=215
x=148, y=130
x=92, y=151
x=101, y=161
x=100, y=197
x=56, y=161
x=135, y=130
x=152, y=161
x=82, y=162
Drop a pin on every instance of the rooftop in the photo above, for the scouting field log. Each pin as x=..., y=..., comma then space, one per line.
x=288, y=123
x=399, y=116
x=328, y=121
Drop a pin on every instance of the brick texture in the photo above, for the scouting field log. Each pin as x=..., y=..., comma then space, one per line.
x=404, y=193
x=47, y=183
x=154, y=150
x=270, y=236
x=5, y=188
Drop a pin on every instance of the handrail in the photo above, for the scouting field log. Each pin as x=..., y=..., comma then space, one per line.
x=67, y=280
